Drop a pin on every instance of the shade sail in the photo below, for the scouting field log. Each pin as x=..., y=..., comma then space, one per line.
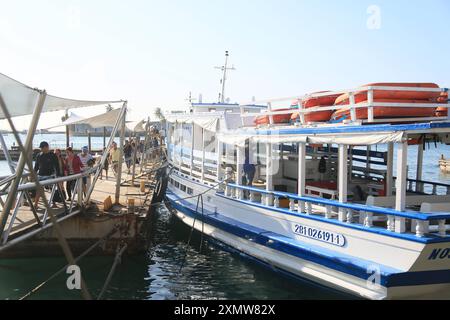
x=107, y=119
x=21, y=99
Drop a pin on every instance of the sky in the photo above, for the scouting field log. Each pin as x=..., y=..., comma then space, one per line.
x=153, y=53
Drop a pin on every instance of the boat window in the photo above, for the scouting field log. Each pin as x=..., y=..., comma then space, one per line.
x=190, y=191
x=177, y=184
x=183, y=188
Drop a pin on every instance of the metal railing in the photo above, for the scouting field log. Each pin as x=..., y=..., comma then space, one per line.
x=344, y=212
x=352, y=106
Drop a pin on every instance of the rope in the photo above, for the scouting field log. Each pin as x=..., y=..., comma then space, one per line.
x=200, y=198
x=85, y=253
x=117, y=260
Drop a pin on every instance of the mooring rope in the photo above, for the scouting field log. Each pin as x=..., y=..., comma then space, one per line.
x=117, y=260
x=85, y=253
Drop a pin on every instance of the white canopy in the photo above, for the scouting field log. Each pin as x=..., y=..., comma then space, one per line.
x=206, y=121
x=21, y=100
x=107, y=119
x=353, y=139
x=136, y=126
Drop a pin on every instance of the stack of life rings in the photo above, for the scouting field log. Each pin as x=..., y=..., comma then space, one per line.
x=327, y=99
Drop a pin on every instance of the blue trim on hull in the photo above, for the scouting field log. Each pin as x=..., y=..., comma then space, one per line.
x=428, y=239
x=404, y=236
x=390, y=277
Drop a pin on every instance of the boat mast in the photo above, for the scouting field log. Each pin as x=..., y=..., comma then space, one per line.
x=224, y=69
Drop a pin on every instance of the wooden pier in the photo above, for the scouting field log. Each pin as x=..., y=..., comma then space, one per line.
x=82, y=228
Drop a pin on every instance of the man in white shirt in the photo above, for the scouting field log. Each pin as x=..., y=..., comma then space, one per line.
x=86, y=158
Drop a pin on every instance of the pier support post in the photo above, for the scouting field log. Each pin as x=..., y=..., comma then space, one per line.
x=122, y=143
x=390, y=169
x=343, y=175
x=301, y=175
x=22, y=161
x=402, y=176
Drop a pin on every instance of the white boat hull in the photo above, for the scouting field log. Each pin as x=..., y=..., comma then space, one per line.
x=352, y=269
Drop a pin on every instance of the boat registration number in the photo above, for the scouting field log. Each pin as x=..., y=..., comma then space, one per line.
x=320, y=235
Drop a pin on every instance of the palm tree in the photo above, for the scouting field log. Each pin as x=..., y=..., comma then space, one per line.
x=159, y=114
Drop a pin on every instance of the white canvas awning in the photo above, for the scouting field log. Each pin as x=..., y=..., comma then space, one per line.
x=21, y=100
x=107, y=119
x=136, y=126
x=353, y=139
x=207, y=122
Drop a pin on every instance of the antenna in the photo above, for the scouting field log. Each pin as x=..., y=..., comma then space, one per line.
x=224, y=69
x=190, y=98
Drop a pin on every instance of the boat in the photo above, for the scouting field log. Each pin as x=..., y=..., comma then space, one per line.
x=317, y=99
x=387, y=112
x=324, y=204
x=390, y=98
x=277, y=118
x=442, y=111
x=362, y=95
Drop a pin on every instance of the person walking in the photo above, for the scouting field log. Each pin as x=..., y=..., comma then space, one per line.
x=86, y=159
x=46, y=166
x=127, y=152
x=61, y=194
x=73, y=165
x=106, y=166
x=114, y=157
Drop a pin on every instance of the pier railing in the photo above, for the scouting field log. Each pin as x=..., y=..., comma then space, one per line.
x=39, y=217
x=366, y=217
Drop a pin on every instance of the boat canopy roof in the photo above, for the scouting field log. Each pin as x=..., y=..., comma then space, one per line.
x=21, y=99
x=357, y=135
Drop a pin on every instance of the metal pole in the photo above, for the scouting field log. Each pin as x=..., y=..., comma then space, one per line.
x=104, y=137
x=122, y=142
x=67, y=131
x=21, y=164
x=136, y=146
x=7, y=155
x=89, y=141
x=343, y=174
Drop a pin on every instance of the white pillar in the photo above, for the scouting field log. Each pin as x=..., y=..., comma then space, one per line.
x=343, y=174
x=219, y=160
x=203, y=154
x=181, y=145
x=390, y=169
x=401, y=184
x=192, y=148
x=301, y=175
x=419, y=186
x=240, y=169
x=269, y=173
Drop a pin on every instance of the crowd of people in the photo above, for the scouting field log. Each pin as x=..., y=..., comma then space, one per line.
x=51, y=164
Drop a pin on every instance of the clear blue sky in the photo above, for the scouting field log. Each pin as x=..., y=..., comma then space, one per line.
x=154, y=52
